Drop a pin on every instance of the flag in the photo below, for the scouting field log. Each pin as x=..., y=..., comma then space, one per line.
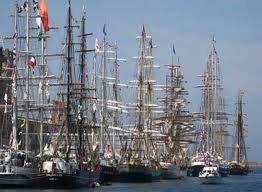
x=174, y=50
x=42, y=20
x=35, y=3
x=25, y=6
x=19, y=9
x=32, y=63
x=104, y=29
x=97, y=46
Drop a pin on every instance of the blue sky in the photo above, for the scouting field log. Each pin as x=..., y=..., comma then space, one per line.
x=189, y=25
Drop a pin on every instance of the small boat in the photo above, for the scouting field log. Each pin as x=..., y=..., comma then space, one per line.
x=210, y=175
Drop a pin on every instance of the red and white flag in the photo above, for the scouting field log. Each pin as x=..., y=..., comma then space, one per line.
x=97, y=46
x=32, y=63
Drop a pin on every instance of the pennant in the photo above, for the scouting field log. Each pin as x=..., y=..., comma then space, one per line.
x=104, y=29
x=42, y=20
x=32, y=63
x=174, y=50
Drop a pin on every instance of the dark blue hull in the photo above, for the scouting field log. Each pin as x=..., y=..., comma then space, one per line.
x=138, y=173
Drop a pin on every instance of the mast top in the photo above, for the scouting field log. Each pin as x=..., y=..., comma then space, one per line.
x=143, y=30
x=241, y=92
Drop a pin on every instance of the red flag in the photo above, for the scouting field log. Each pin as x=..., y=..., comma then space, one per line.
x=44, y=15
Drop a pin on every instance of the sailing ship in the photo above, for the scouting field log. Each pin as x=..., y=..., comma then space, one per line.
x=212, y=120
x=139, y=162
x=67, y=160
x=113, y=110
x=18, y=163
x=176, y=125
x=239, y=165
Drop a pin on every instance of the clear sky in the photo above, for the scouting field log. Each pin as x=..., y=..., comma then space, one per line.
x=189, y=25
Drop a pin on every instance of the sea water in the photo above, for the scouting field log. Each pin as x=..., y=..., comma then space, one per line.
x=250, y=183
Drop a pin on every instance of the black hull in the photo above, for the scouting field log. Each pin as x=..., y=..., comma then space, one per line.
x=16, y=181
x=239, y=170
x=108, y=174
x=194, y=170
x=138, y=174
x=66, y=181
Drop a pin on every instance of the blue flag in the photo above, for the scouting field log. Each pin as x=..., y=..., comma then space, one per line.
x=104, y=29
x=174, y=50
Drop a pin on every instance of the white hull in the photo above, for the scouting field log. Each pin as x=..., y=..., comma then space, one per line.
x=210, y=175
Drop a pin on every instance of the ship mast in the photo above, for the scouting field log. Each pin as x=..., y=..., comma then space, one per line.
x=27, y=81
x=83, y=89
x=69, y=78
x=104, y=96
x=14, y=86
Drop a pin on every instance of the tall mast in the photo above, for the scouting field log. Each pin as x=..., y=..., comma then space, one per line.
x=27, y=80
x=104, y=97
x=140, y=90
x=83, y=88
x=14, y=85
x=68, y=60
x=115, y=94
x=42, y=92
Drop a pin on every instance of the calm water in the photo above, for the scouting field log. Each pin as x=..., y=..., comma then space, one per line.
x=253, y=182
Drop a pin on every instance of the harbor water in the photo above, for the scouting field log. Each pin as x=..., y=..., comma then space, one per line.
x=250, y=183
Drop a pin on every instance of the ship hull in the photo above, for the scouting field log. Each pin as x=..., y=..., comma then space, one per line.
x=239, y=170
x=65, y=181
x=15, y=180
x=224, y=171
x=108, y=174
x=138, y=173
x=194, y=171
x=172, y=172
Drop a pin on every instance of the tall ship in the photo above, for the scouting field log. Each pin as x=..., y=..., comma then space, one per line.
x=176, y=125
x=139, y=161
x=239, y=164
x=109, y=105
x=19, y=165
x=212, y=120
x=67, y=160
